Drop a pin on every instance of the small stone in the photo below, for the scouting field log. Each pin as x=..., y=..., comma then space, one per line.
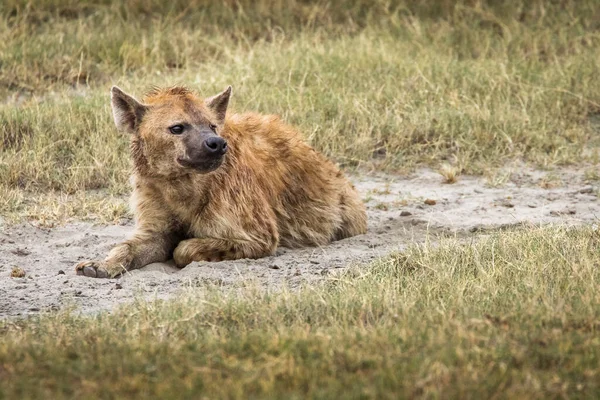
x=21, y=252
x=586, y=190
x=118, y=286
x=405, y=213
x=274, y=266
x=315, y=262
x=430, y=202
x=61, y=272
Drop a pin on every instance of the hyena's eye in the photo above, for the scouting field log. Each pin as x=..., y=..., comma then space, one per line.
x=176, y=129
x=213, y=127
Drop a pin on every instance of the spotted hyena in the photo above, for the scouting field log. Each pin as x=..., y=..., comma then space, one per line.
x=209, y=186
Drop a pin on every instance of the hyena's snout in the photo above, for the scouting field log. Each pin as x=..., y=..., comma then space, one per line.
x=215, y=146
x=204, y=153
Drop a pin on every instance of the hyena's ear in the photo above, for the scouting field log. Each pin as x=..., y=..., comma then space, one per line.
x=219, y=104
x=127, y=111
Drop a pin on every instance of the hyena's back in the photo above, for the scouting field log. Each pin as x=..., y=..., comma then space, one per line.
x=312, y=200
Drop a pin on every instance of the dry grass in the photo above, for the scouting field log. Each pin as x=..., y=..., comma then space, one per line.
x=17, y=272
x=592, y=174
x=514, y=315
x=388, y=85
x=550, y=181
x=450, y=173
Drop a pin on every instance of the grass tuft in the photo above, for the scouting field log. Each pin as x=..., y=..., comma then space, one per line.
x=17, y=272
x=450, y=173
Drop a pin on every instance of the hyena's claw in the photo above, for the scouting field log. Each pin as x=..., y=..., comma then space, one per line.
x=91, y=269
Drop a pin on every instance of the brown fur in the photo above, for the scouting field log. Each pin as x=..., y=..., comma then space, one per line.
x=271, y=189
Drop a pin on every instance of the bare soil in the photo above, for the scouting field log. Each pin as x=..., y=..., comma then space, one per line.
x=401, y=210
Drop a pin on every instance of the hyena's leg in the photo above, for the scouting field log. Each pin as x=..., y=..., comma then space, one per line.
x=220, y=249
x=142, y=249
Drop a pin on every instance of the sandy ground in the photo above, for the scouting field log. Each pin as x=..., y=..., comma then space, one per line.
x=401, y=211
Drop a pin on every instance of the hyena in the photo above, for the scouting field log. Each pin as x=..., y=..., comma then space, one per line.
x=209, y=186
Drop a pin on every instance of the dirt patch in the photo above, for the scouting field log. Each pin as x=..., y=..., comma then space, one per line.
x=402, y=210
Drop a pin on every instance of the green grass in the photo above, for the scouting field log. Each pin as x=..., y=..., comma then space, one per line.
x=386, y=85
x=513, y=315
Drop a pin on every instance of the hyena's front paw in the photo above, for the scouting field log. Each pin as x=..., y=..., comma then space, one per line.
x=96, y=269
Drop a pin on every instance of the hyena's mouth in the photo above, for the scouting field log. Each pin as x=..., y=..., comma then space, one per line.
x=202, y=166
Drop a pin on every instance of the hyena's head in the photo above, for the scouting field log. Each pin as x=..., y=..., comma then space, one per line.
x=173, y=131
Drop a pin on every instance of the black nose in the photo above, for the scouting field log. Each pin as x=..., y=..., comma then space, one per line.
x=216, y=145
